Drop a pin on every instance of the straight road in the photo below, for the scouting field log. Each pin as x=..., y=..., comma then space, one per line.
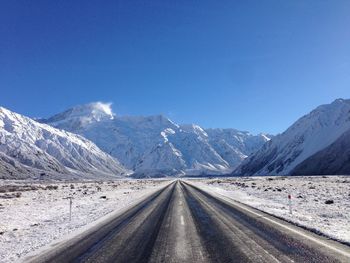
x=183, y=223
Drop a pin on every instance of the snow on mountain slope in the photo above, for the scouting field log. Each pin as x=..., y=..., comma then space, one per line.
x=163, y=159
x=153, y=144
x=233, y=145
x=130, y=138
x=193, y=142
x=310, y=134
x=334, y=159
x=10, y=168
x=28, y=146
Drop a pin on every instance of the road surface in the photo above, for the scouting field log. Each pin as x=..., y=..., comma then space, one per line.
x=183, y=223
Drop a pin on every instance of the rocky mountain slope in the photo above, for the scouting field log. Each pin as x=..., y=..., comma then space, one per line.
x=334, y=159
x=29, y=148
x=307, y=136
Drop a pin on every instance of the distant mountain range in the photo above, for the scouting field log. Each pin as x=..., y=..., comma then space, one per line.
x=155, y=145
x=90, y=141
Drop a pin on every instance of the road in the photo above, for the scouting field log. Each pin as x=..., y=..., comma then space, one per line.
x=183, y=223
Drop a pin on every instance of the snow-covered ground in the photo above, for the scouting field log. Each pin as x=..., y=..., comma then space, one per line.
x=309, y=196
x=33, y=214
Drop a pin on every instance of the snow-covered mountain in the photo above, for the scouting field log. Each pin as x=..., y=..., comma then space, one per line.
x=29, y=148
x=233, y=145
x=10, y=168
x=307, y=136
x=80, y=116
x=156, y=145
x=334, y=159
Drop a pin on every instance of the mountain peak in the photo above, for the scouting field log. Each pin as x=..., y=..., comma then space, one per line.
x=340, y=100
x=82, y=115
x=96, y=110
x=193, y=128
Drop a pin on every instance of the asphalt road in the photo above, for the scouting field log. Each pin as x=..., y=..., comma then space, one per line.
x=182, y=223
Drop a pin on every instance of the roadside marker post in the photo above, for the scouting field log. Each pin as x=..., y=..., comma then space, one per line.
x=290, y=204
x=70, y=207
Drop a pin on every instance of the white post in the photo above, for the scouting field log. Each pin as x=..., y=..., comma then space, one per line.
x=70, y=207
x=290, y=203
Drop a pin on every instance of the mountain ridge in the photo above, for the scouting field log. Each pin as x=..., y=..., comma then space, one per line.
x=32, y=147
x=308, y=135
x=138, y=141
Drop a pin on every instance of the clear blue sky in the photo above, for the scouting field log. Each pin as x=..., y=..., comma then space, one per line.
x=252, y=65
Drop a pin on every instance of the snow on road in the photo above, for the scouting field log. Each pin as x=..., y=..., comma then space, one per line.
x=318, y=203
x=35, y=214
